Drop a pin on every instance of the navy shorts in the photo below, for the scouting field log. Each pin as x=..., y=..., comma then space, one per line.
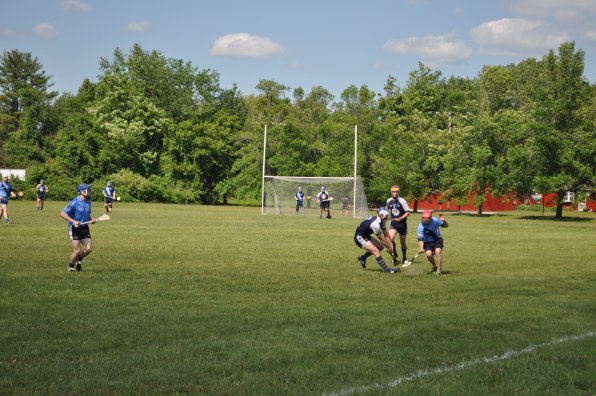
x=4, y=200
x=324, y=205
x=434, y=245
x=360, y=240
x=41, y=195
x=79, y=233
x=400, y=226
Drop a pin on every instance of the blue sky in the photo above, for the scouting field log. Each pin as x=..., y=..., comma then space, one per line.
x=328, y=43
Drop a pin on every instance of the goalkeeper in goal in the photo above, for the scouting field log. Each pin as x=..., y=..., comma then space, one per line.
x=299, y=201
x=323, y=198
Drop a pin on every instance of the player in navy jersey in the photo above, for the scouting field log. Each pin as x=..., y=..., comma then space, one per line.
x=299, y=200
x=399, y=209
x=76, y=212
x=430, y=239
x=41, y=189
x=109, y=195
x=6, y=192
x=364, y=239
x=323, y=200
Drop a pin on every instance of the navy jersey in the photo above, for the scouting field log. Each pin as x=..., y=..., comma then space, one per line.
x=299, y=197
x=372, y=225
x=323, y=195
x=397, y=207
x=109, y=192
x=79, y=209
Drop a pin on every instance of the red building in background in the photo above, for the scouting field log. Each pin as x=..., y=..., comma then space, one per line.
x=498, y=204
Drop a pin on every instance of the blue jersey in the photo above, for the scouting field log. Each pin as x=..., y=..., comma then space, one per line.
x=5, y=189
x=369, y=226
x=79, y=209
x=430, y=232
x=299, y=197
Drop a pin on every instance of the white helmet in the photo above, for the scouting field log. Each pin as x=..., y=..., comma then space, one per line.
x=382, y=211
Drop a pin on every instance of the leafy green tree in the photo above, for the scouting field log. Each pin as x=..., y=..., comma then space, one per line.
x=23, y=82
x=24, y=108
x=172, y=85
x=134, y=126
x=560, y=142
x=78, y=147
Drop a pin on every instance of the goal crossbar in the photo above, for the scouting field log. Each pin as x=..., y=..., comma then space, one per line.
x=279, y=195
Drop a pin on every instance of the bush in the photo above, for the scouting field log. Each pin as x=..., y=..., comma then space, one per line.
x=60, y=186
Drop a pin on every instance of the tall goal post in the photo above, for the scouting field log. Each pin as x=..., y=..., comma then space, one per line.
x=278, y=192
x=279, y=195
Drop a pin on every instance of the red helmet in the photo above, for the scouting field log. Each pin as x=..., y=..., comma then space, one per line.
x=427, y=214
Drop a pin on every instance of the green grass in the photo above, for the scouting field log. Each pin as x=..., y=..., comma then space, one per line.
x=220, y=300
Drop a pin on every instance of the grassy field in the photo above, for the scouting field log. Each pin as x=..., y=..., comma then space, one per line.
x=223, y=301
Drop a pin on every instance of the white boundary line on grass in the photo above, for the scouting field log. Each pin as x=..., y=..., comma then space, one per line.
x=459, y=366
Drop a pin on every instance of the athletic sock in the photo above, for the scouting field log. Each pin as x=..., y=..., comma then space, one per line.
x=403, y=253
x=80, y=258
x=366, y=255
x=382, y=263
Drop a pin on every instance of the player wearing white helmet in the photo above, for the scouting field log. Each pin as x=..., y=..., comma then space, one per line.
x=364, y=239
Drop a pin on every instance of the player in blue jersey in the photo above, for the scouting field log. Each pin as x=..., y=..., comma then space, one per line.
x=76, y=212
x=364, y=239
x=323, y=198
x=41, y=189
x=399, y=209
x=299, y=200
x=430, y=239
x=6, y=192
x=109, y=195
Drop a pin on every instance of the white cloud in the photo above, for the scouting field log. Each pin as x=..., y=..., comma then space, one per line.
x=138, y=26
x=515, y=37
x=45, y=30
x=246, y=45
x=7, y=33
x=75, y=5
x=442, y=49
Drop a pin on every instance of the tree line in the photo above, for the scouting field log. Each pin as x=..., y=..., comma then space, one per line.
x=166, y=131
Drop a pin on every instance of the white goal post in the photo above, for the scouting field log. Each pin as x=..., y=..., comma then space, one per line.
x=347, y=192
x=278, y=192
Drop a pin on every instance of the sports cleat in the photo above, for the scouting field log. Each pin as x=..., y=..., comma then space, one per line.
x=362, y=261
x=406, y=263
x=392, y=270
x=71, y=267
x=437, y=273
x=79, y=266
x=434, y=269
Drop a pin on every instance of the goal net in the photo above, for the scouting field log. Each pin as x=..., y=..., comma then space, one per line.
x=347, y=192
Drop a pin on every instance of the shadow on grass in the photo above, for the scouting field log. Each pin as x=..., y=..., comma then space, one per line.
x=552, y=218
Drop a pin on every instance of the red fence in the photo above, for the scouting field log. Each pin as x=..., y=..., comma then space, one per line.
x=493, y=204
